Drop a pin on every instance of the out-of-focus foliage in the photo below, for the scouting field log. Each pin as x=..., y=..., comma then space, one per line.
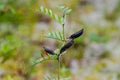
x=8, y=45
x=12, y=11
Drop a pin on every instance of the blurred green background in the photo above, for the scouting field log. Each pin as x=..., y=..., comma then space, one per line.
x=94, y=56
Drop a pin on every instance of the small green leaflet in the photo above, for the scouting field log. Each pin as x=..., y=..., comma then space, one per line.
x=35, y=62
x=50, y=13
x=65, y=10
x=55, y=35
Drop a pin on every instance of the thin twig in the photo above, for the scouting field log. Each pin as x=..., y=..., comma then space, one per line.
x=63, y=25
x=58, y=67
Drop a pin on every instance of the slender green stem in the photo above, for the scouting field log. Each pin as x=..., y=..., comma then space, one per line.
x=58, y=68
x=63, y=24
x=64, y=39
x=63, y=32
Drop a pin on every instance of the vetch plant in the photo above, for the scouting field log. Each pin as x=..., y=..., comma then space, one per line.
x=66, y=43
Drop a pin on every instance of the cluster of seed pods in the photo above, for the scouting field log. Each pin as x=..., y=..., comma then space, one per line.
x=67, y=45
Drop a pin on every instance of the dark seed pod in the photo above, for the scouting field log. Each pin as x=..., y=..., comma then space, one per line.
x=49, y=51
x=77, y=34
x=66, y=46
